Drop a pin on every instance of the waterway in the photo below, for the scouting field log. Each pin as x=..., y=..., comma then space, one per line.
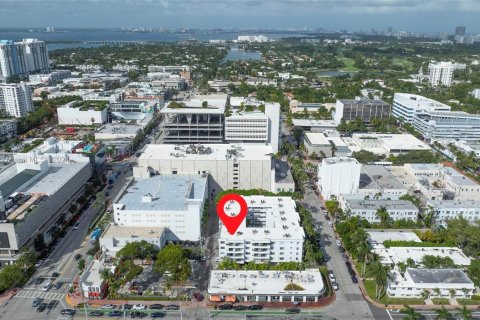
x=235, y=53
x=334, y=73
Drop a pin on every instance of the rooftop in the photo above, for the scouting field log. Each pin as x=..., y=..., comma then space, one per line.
x=378, y=177
x=116, y=231
x=215, y=104
x=355, y=203
x=120, y=129
x=335, y=160
x=317, y=139
x=438, y=276
x=377, y=238
x=401, y=254
x=163, y=192
x=420, y=101
x=454, y=204
x=267, y=218
x=314, y=123
x=282, y=172
x=206, y=152
x=362, y=100
x=264, y=282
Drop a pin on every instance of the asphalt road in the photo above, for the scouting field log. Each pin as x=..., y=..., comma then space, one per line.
x=61, y=261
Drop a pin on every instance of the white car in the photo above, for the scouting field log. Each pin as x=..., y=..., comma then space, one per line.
x=107, y=306
x=47, y=286
x=331, y=276
x=139, y=307
x=335, y=286
x=330, y=223
x=39, y=263
x=338, y=242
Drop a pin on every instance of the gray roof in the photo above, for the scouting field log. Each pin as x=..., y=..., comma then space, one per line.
x=356, y=203
x=377, y=177
x=438, y=276
x=169, y=192
x=282, y=172
x=17, y=181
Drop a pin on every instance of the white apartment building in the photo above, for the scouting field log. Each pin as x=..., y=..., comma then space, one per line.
x=259, y=38
x=69, y=114
x=8, y=129
x=271, y=232
x=386, y=143
x=457, y=125
x=19, y=58
x=377, y=182
x=174, y=202
x=115, y=237
x=476, y=93
x=228, y=166
x=394, y=255
x=367, y=209
x=51, y=78
x=254, y=126
x=415, y=281
x=338, y=175
x=406, y=106
x=265, y=286
x=16, y=99
x=441, y=73
x=452, y=209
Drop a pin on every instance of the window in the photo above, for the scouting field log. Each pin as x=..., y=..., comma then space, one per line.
x=174, y=171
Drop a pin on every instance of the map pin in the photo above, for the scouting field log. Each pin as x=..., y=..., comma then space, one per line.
x=232, y=220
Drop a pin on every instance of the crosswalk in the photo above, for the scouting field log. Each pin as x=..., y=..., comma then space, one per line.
x=38, y=294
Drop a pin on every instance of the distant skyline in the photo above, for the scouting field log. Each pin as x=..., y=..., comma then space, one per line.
x=409, y=15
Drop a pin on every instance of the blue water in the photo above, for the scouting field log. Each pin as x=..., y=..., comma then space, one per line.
x=235, y=54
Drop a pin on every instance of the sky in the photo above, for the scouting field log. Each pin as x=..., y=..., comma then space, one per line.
x=355, y=15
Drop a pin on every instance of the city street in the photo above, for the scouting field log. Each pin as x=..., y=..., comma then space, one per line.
x=61, y=261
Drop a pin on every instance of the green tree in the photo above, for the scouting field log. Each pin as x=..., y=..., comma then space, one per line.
x=410, y=313
x=173, y=259
x=443, y=314
x=133, y=75
x=81, y=264
x=99, y=201
x=364, y=156
x=465, y=313
x=379, y=273
x=474, y=271
x=384, y=217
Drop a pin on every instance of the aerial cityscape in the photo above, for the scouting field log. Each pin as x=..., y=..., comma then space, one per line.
x=248, y=160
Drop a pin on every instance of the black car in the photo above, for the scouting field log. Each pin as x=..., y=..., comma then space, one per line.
x=57, y=285
x=41, y=307
x=55, y=275
x=156, y=306
x=255, y=307
x=115, y=313
x=96, y=313
x=292, y=310
x=348, y=264
x=52, y=304
x=77, y=257
x=172, y=307
x=354, y=279
x=240, y=308
x=68, y=312
x=127, y=306
x=225, y=307
x=157, y=315
x=39, y=280
x=36, y=302
x=138, y=314
x=198, y=296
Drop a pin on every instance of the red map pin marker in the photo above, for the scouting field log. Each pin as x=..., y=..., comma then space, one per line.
x=232, y=222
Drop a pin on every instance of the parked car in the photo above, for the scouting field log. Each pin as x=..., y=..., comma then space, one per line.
x=55, y=275
x=255, y=307
x=225, y=307
x=240, y=308
x=41, y=307
x=52, y=304
x=139, y=307
x=77, y=256
x=172, y=307
x=36, y=302
x=68, y=312
x=354, y=279
x=95, y=313
x=156, y=306
x=158, y=314
x=330, y=223
x=198, y=296
x=108, y=306
x=127, y=306
x=292, y=310
x=39, y=263
x=335, y=286
x=76, y=226
x=338, y=242
x=39, y=280
x=115, y=313
x=138, y=314
x=331, y=276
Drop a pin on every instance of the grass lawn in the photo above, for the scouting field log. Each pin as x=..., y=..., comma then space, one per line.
x=370, y=287
x=349, y=64
x=468, y=302
x=402, y=62
x=406, y=301
x=440, y=301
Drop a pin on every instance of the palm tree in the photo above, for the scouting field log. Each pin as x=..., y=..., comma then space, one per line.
x=384, y=217
x=465, y=313
x=402, y=267
x=436, y=291
x=410, y=313
x=452, y=292
x=379, y=273
x=443, y=314
x=425, y=294
x=410, y=263
x=100, y=201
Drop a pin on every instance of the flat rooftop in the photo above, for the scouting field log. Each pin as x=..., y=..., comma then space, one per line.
x=336, y=160
x=282, y=172
x=394, y=142
x=210, y=152
x=116, y=231
x=401, y=254
x=120, y=129
x=421, y=102
x=372, y=204
x=166, y=193
x=267, y=218
x=91, y=276
x=376, y=238
x=438, y=276
x=314, y=123
x=362, y=101
x=455, y=204
x=216, y=104
x=425, y=166
x=378, y=177
x=317, y=139
x=223, y=282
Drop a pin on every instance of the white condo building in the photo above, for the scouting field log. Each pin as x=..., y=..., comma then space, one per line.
x=441, y=73
x=228, y=166
x=8, y=129
x=16, y=99
x=406, y=106
x=271, y=232
x=338, y=175
x=452, y=209
x=448, y=125
x=174, y=202
x=20, y=58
